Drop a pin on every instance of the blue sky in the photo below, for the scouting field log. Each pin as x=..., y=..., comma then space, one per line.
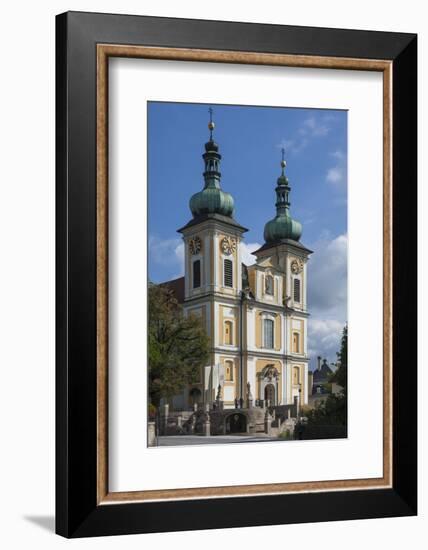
x=250, y=141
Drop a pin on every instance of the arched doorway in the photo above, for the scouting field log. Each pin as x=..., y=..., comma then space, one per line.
x=236, y=423
x=270, y=394
x=269, y=381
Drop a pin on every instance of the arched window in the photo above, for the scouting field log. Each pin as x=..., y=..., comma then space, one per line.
x=268, y=333
x=296, y=290
x=296, y=342
x=228, y=371
x=296, y=376
x=269, y=285
x=228, y=333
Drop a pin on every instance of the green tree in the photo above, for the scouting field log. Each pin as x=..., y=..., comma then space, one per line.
x=329, y=418
x=178, y=345
x=340, y=376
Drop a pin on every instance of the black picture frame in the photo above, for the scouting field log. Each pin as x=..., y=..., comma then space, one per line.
x=77, y=511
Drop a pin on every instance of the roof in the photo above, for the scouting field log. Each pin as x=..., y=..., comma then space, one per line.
x=216, y=217
x=177, y=287
x=322, y=374
x=289, y=242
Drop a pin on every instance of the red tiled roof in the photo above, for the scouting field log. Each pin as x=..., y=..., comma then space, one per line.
x=177, y=287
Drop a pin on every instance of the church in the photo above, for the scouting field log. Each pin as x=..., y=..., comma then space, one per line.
x=255, y=316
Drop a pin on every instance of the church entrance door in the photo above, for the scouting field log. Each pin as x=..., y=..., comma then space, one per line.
x=236, y=423
x=270, y=394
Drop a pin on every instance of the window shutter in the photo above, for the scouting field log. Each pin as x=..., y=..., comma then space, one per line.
x=228, y=273
x=297, y=290
x=196, y=273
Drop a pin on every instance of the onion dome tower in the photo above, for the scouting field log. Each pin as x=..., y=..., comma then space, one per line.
x=212, y=199
x=282, y=227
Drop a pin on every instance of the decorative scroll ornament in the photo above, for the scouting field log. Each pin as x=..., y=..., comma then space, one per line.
x=296, y=266
x=228, y=245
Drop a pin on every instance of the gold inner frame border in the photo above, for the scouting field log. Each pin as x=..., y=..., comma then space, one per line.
x=104, y=52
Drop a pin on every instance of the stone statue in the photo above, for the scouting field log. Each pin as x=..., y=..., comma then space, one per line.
x=249, y=396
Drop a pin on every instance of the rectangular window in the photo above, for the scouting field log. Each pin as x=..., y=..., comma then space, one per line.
x=296, y=342
x=296, y=376
x=228, y=273
x=268, y=333
x=196, y=273
x=228, y=371
x=228, y=328
x=297, y=290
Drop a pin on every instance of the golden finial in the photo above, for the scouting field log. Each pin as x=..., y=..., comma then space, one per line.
x=211, y=124
x=283, y=162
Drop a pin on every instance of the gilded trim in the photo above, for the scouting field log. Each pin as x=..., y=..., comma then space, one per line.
x=104, y=51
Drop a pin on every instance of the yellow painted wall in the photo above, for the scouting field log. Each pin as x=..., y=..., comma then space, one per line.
x=230, y=383
x=221, y=320
x=301, y=377
x=299, y=330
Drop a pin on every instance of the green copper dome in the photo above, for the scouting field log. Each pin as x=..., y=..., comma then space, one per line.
x=212, y=199
x=282, y=226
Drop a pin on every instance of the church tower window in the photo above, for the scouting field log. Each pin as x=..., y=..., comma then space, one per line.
x=296, y=342
x=296, y=376
x=296, y=290
x=196, y=273
x=228, y=273
x=228, y=333
x=268, y=335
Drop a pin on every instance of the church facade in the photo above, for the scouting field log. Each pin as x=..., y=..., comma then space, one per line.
x=256, y=316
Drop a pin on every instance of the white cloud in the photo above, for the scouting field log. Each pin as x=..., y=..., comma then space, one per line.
x=246, y=250
x=327, y=296
x=315, y=128
x=312, y=127
x=328, y=278
x=167, y=253
x=324, y=339
x=338, y=154
x=336, y=175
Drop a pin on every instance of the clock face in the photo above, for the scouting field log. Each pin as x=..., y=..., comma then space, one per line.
x=296, y=266
x=195, y=245
x=228, y=245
